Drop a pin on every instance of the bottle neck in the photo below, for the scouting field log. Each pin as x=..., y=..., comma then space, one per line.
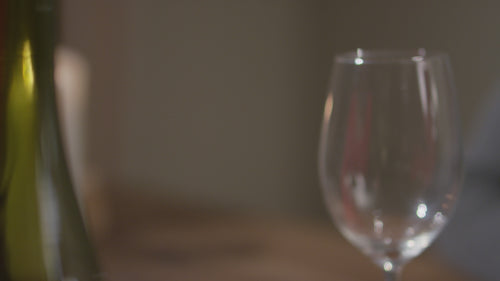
x=27, y=20
x=27, y=40
x=27, y=28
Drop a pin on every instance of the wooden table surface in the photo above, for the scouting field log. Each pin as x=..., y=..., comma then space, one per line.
x=147, y=239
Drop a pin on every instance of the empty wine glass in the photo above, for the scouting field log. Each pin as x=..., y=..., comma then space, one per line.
x=390, y=158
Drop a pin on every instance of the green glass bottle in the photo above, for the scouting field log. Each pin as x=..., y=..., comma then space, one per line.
x=42, y=235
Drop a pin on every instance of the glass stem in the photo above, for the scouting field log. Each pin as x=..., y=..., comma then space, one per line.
x=392, y=272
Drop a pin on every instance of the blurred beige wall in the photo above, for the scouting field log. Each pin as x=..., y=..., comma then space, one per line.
x=219, y=102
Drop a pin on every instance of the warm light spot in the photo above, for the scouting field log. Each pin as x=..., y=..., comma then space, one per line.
x=358, y=61
x=421, y=210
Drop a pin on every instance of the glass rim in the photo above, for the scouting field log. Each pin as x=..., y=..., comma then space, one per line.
x=384, y=56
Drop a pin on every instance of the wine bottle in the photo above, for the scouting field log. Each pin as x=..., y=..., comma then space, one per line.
x=42, y=234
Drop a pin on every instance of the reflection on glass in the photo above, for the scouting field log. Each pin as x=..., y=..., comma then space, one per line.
x=421, y=210
x=390, y=152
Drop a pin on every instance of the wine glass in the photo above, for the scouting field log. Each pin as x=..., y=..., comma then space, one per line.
x=390, y=157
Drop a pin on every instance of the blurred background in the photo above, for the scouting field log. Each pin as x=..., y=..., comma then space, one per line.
x=218, y=103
